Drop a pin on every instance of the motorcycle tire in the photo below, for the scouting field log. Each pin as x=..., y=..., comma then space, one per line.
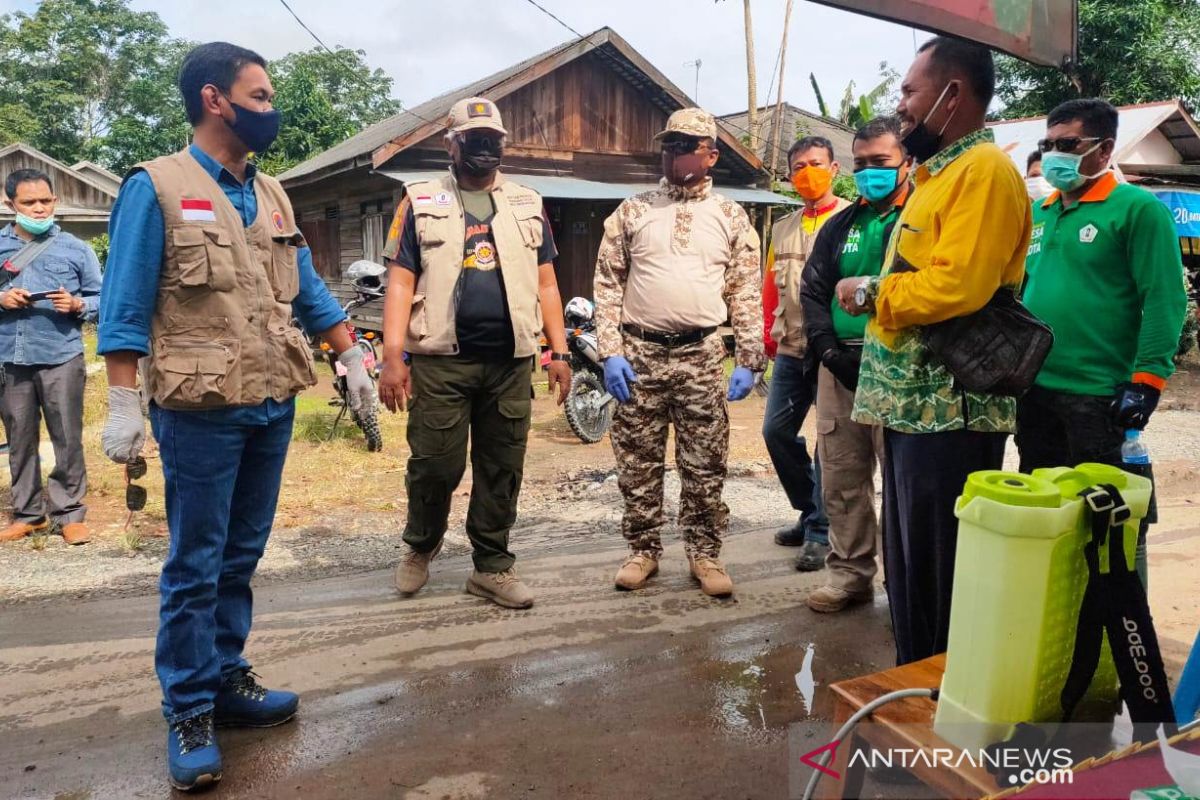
x=369, y=424
x=589, y=426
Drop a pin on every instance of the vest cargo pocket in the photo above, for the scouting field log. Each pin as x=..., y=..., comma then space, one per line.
x=432, y=231
x=285, y=275
x=298, y=360
x=199, y=376
x=418, y=323
x=222, y=274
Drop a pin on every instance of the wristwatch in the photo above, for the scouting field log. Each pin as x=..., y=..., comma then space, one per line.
x=860, y=294
x=560, y=357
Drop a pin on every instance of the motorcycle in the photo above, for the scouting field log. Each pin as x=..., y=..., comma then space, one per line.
x=367, y=279
x=589, y=406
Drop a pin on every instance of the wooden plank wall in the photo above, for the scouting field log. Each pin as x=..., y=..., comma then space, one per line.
x=347, y=192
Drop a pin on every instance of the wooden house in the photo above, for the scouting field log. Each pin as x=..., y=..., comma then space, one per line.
x=581, y=120
x=85, y=195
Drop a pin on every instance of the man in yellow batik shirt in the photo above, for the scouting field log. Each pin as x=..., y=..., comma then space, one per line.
x=961, y=237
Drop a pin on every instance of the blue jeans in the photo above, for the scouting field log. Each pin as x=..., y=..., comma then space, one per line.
x=789, y=398
x=222, y=483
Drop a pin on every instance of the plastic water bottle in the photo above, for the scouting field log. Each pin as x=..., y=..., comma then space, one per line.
x=1134, y=453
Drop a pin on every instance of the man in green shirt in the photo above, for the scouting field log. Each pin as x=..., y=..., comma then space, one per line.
x=851, y=245
x=1104, y=271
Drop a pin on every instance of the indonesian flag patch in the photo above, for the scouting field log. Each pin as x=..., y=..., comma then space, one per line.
x=197, y=210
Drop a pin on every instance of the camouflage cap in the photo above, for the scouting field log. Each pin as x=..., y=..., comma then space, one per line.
x=690, y=121
x=475, y=112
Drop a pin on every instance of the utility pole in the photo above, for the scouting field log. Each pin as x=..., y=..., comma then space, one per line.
x=751, y=79
x=773, y=160
x=697, y=64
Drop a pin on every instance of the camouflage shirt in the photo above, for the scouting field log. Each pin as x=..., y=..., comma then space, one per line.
x=677, y=259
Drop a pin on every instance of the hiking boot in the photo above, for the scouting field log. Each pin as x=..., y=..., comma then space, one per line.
x=76, y=533
x=243, y=702
x=19, y=530
x=636, y=570
x=502, y=588
x=193, y=758
x=412, y=572
x=830, y=599
x=791, y=536
x=714, y=580
x=812, y=557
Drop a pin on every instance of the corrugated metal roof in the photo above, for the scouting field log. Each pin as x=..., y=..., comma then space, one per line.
x=1019, y=137
x=579, y=189
x=372, y=138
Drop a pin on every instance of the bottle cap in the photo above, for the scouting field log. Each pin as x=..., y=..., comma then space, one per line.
x=1131, y=434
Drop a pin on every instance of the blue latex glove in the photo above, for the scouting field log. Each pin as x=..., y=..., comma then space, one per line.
x=617, y=377
x=740, y=383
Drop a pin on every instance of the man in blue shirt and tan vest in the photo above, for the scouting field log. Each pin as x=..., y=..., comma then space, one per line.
x=205, y=272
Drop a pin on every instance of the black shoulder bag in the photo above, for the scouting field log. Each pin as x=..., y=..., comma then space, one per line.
x=997, y=350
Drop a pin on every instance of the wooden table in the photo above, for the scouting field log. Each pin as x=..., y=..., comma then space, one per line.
x=906, y=723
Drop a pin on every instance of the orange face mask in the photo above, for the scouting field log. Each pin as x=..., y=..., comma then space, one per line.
x=812, y=183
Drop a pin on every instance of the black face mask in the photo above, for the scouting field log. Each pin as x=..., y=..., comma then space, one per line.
x=480, y=157
x=256, y=129
x=922, y=143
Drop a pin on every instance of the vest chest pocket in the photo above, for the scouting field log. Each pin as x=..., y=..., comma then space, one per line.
x=285, y=273
x=204, y=257
x=432, y=231
x=532, y=231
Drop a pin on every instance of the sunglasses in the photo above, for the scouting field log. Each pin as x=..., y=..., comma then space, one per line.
x=681, y=147
x=1067, y=144
x=135, y=496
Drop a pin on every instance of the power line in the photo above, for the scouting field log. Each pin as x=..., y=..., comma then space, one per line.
x=596, y=49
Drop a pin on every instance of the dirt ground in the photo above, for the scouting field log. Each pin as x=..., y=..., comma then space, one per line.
x=593, y=693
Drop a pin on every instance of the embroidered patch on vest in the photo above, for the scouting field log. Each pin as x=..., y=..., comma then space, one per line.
x=442, y=198
x=277, y=220
x=197, y=210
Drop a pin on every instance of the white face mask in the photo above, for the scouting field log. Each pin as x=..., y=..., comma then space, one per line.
x=1038, y=187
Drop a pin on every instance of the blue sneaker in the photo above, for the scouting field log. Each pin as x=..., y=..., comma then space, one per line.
x=243, y=702
x=193, y=758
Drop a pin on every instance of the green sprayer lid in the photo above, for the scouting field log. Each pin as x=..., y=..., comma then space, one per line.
x=1012, y=489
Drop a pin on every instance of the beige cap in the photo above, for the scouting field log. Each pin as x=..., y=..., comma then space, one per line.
x=690, y=121
x=475, y=112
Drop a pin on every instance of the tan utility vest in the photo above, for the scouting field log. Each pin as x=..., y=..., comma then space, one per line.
x=222, y=332
x=792, y=247
x=442, y=234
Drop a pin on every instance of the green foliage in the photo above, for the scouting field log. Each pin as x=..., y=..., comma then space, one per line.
x=1191, y=326
x=96, y=80
x=857, y=111
x=100, y=245
x=90, y=79
x=844, y=187
x=1129, y=52
x=324, y=98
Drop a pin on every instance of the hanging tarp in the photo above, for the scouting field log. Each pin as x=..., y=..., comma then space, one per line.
x=1185, y=209
x=1041, y=31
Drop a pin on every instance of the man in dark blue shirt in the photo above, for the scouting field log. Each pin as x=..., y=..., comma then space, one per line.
x=205, y=272
x=50, y=285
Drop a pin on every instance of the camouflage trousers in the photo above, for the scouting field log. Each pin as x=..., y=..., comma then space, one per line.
x=683, y=387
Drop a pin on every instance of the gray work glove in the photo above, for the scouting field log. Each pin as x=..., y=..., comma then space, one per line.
x=360, y=389
x=125, y=429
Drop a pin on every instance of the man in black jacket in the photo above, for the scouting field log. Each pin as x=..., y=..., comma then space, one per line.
x=852, y=244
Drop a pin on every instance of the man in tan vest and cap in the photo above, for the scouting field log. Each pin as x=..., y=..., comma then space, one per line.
x=205, y=272
x=674, y=264
x=471, y=288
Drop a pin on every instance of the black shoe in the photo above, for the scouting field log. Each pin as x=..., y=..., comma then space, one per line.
x=812, y=557
x=791, y=536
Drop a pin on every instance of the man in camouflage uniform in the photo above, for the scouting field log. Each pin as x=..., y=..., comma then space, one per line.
x=675, y=263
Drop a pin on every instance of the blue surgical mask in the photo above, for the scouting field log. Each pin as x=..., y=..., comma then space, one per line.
x=35, y=226
x=876, y=183
x=1061, y=170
